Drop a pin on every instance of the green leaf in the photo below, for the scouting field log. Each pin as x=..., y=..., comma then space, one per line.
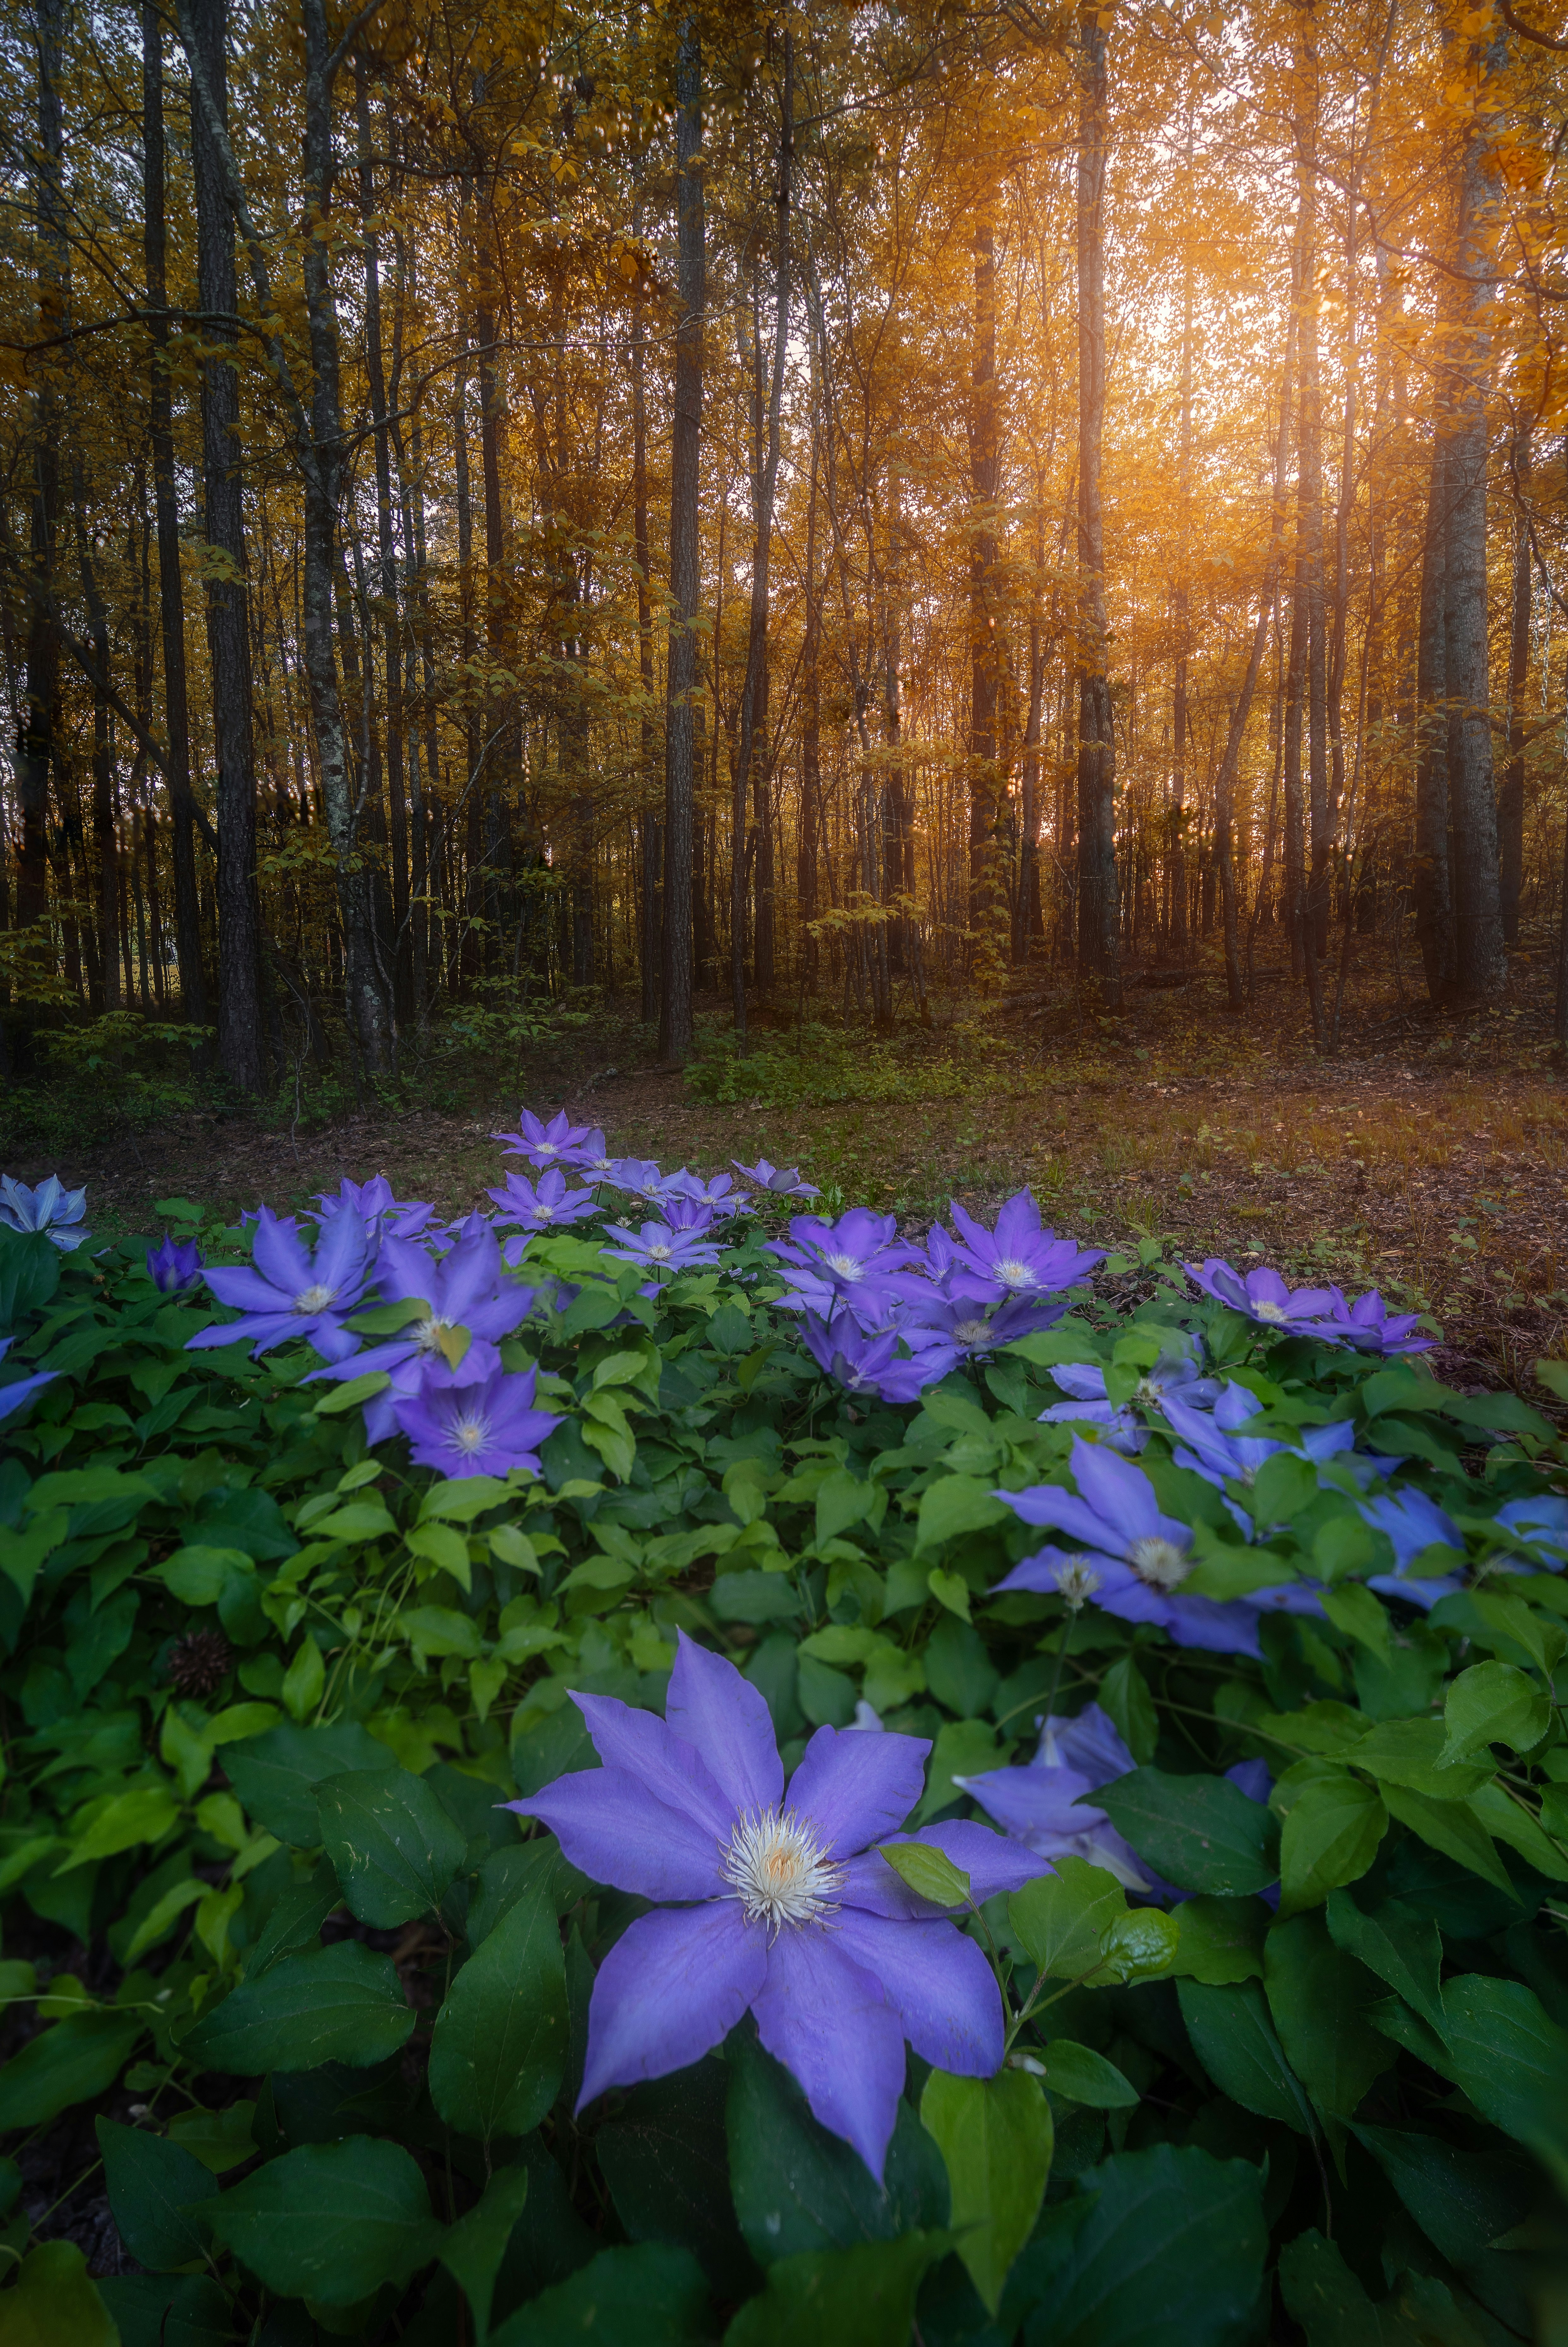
x=29, y=1274
x=955, y=1504
x=167, y=2310
x=1061, y=1918
x=1140, y=1945
x=1493, y=1703
x=74, y=2062
x=665, y=2159
x=1544, y=1642
x=995, y=2137
x=1508, y=2056
x=1409, y=1753
x=473, y=2247
x=1284, y=1487
x=360, y=1521
x=293, y=1921
x=276, y=1775
x=198, y=1576
x=339, y=1399
x=949, y=1590
x=928, y=1871
x=652, y=2295
x=1233, y=2038
x=151, y=2184
x=331, y=2221
x=1450, y=1827
x=442, y=1630
x=1401, y=1947
x=1220, y=1939
x=1080, y=2076
x=964, y=1747
x=344, y=2003
x=55, y=2302
x=859, y=2297
x=1331, y=1836
x=1355, y=1610
x=797, y=2188
x=219, y=2139
x=1200, y=1831
x=144, y=1814
x=1497, y=1811
x=1127, y=1703
x=1462, y=2201
x=1322, y=2294
x=1169, y=2252
x=1318, y=1997
x=392, y=1845
x=303, y=1681
x=500, y=2040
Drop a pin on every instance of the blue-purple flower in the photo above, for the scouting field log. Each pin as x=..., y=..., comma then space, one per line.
x=17, y=1396
x=1369, y=1324
x=662, y=1248
x=779, y=1181
x=171, y=1268
x=1175, y=1376
x=558, y=1143
x=485, y=1425
x=638, y=1176
x=465, y=1290
x=1018, y=1258
x=50, y=1208
x=965, y=1324
x=1042, y=1804
x=1414, y=1524
x=1141, y=1556
x=846, y=1261
x=544, y=1205
x=872, y=1363
x=1540, y=1525
x=1216, y=1445
x=383, y=1214
x=775, y=1902
x=720, y=1195
x=1262, y=1296
x=285, y=1291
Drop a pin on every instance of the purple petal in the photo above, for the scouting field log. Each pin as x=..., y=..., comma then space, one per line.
x=611, y=1825
x=827, y=2020
x=244, y=1290
x=857, y=1789
x=713, y=1708
x=672, y=1987
x=993, y=1861
x=1121, y=1494
x=278, y=1256
x=643, y=1745
x=939, y=1979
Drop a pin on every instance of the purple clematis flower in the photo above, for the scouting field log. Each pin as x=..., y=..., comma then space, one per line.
x=383, y=1214
x=15, y=1397
x=828, y=1261
x=482, y=1425
x=1262, y=1296
x=1141, y=1556
x=1042, y=1805
x=50, y=1208
x=1369, y=1324
x=1539, y=1524
x=1413, y=1524
x=1175, y=1376
x=966, y=1324
x=1018, y=1258
x=1216, y=1445
x=785, y=1906
x=558, y=1143
x=171, y=1268
x=871, y=1364
x=720, y=1195
x=284, y=1293
x=662, y=1248
x=778, y=1181
x=639, y=1177
x=546, y=1205
x=465, y=1290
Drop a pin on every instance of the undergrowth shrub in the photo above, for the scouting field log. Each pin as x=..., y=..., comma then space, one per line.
x=1278, y=1981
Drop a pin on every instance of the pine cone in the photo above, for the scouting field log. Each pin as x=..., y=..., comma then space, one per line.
x=198, y=1662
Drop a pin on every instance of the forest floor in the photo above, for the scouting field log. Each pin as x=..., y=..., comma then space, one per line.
x=1428, y=1156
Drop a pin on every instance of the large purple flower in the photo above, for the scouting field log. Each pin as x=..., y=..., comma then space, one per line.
x=1140, y=1556
x=50, y=1208
x=18, y=1394
x=638, y=1176
x=720, y=1195
x=283, y=1292
x=1413, y=1524
x=558, y=1143
x=828, y=1262
x=465, y=1289
x=871, y=1364
x=1215, y=1444
x=171, y=1268
x=544, y=1205
x=1175, y=1376
x=661, y=1247
x=1041, y=1804
x=1018, y=1258
x=779, y=1181
x=783, y=1907
x=383, y=1214
x=482, y=1425
x=1262, y=1296
x=965, y=1324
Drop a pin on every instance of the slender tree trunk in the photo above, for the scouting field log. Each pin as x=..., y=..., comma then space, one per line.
x=1432, y=882
x=1099, y=951
x=1511, y=797
x=985, y=607
x=1175, y=851
x=650, y=828
x=38, y=743
x=228, y=624
x=675, y=1007
x=391, y=661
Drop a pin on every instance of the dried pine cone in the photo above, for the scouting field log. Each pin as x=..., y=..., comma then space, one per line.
x=198, y=1662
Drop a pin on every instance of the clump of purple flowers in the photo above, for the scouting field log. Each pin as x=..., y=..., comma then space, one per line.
x=286, y=1291
x=558, y=1143
x=464, y=1295
x=773, y=1902
x=1263, y=1297
x=547, y=1205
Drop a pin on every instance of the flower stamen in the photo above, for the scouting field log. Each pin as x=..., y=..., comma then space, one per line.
x=780, y=1870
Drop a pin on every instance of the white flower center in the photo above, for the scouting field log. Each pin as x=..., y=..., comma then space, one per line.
x=1159, y=1561
x=659, y=1252
x=1271, y=1312
x=780, y=1872
x=1013, y=1274
x=1078, y=1581
x=315, y=1298
x=542, y=1212
x=428, y=1334
x=970, y=1332
x=1146, y=1394
x=845, y=1265
x=469, y=1433
x=547, y=1149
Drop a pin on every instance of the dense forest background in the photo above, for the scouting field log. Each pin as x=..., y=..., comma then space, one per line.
x=789, y=505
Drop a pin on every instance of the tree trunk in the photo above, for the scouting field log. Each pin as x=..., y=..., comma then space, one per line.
x=1511, y=797
x=651, y=829
x=228, y=624
x=1433, y=880
x=1098, y=950
x=675, y=1008
x=38, y=743
x=985, y=604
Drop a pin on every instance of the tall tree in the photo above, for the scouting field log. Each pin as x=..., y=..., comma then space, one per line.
x=1099, y=926
x=681, y=672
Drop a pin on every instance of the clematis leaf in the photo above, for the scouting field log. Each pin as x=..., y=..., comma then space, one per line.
x=928, y=1871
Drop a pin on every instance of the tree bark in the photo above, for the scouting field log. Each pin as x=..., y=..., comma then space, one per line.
x=985, y=599
x=38, y=743
x=675, y=1007
x=1099, y=943
x=1510, y=796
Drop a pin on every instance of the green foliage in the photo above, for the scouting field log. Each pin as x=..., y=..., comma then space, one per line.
x=347, y=1988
